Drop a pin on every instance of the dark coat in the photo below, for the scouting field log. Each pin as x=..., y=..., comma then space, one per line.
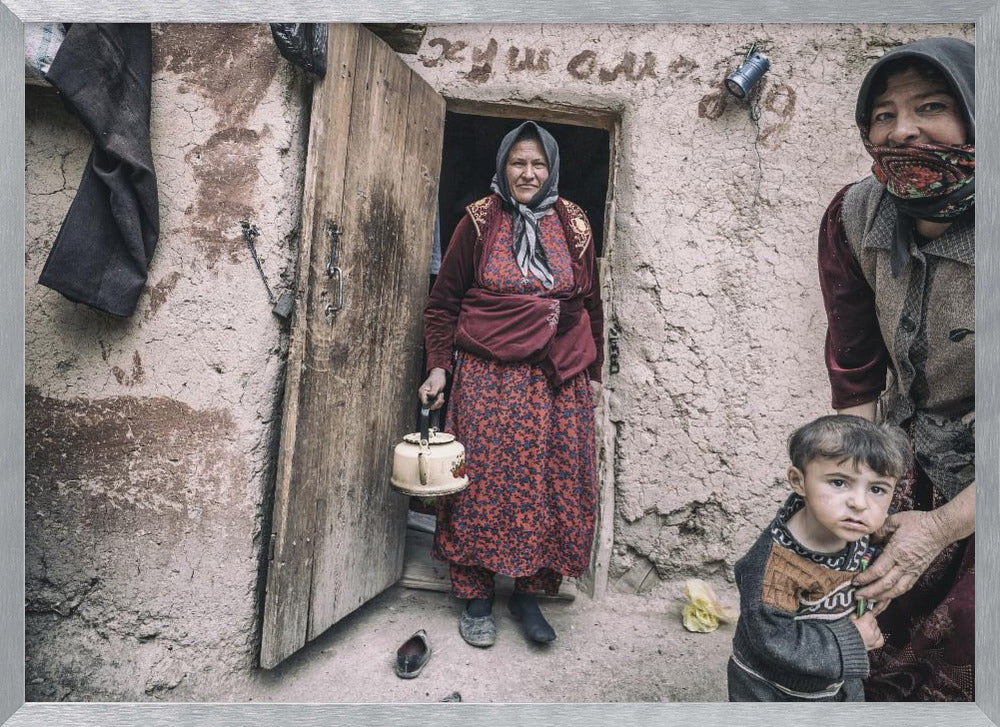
x=103, y=73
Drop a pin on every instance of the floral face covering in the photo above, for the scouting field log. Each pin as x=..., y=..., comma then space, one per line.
x=929, y=181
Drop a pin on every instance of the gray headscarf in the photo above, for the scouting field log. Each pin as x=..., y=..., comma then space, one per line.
x=954, y=57
x=530, y=256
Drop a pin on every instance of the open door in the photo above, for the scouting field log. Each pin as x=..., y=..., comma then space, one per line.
x=354, y=364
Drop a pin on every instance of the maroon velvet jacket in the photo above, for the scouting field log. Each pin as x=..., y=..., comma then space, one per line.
x=461, y=271
x=856, y=356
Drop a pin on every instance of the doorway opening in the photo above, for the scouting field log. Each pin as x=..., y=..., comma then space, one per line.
x=468, y=162
x=587, y=141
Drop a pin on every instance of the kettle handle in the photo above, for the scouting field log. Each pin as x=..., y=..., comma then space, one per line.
x=426, y=418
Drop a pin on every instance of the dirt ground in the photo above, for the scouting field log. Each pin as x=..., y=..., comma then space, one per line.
x=619, y=649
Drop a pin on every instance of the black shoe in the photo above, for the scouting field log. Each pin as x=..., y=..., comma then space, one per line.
x=524, y=608
x=412, y=657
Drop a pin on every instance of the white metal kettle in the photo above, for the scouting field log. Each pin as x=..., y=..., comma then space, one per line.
x=429, y=463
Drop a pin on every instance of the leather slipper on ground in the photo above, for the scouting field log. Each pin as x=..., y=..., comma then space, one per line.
x=412, y=656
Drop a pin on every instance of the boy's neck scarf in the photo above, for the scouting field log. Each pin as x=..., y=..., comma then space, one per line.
x=528, y=252
x=927, y=181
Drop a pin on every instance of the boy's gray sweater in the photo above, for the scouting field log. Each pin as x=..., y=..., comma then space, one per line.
x=794, y=639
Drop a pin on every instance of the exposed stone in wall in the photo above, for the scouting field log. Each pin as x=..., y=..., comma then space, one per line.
x=713, y=296
x=149, y=441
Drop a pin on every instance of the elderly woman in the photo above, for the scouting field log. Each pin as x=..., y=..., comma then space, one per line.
x=515, y=316
x=897, y=269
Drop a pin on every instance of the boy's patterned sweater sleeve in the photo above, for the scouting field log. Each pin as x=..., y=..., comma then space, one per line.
x=798, y=651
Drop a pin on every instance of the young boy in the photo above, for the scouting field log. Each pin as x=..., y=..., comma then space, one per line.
x=799, y=636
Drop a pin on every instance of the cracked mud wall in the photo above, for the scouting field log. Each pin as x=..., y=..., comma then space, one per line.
x=712, y=290
x=149, y=441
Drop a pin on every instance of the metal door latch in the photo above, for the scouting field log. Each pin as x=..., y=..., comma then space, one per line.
x=613, y=350
x=334, y=272
x=284, y=306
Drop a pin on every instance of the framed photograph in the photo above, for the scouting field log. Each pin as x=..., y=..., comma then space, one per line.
x=229, y=226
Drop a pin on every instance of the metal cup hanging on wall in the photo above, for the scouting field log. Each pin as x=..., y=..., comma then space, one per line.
x=742, y=81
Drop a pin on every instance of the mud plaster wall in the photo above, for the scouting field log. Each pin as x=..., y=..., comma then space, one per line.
x=149, y=440
x=712, y=292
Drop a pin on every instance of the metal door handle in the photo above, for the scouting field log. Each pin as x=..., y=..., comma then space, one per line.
x=337, y=276
x=334, y=272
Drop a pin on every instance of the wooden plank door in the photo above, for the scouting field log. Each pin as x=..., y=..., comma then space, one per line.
x=368, y=211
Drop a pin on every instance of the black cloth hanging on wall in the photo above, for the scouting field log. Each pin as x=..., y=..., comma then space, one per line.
x=304, y=44
x=103, y=74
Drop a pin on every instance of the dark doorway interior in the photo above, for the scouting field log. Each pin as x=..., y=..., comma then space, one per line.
x=469, y=161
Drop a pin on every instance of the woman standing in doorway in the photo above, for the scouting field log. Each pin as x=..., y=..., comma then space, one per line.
x=515, y=316
x=897, y=268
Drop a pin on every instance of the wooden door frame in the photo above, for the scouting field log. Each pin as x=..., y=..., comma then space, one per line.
x=609, y=118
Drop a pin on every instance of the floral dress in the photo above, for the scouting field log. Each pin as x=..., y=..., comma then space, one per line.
x=530, y=454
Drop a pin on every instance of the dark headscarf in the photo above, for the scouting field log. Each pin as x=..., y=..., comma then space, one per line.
x=530, y=256
x=955, y=59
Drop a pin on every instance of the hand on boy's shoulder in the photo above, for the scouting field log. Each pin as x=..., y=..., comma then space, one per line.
x=912, y=540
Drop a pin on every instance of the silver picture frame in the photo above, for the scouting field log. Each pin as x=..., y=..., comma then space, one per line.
x=14, y=712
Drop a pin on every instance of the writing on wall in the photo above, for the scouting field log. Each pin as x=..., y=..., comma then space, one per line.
x=586, y=65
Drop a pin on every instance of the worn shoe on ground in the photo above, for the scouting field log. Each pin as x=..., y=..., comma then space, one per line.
x=478, y=630
x=412, y=656
x=524, y=608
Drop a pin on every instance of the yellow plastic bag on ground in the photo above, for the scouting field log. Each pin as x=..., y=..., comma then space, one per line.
x=703, y=612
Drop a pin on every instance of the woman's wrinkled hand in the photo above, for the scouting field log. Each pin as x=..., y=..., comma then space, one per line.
x=912, y=540
x=432, y=390
x=878, y=607
x=869, y=630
